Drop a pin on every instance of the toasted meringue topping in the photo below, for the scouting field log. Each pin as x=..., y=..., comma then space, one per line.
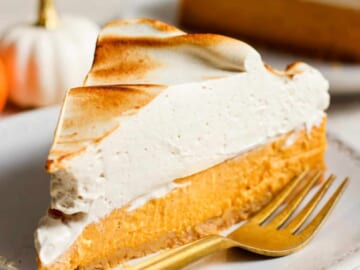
x=140, y=58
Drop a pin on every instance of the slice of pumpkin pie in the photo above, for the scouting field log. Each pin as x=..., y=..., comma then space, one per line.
x=173, y=137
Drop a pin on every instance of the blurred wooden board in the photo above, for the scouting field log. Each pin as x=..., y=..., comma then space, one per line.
x=314, y=27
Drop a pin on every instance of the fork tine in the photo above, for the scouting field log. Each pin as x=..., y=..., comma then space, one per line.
x=278, y=200
x=315, y=224
x=294, y=203
x=303, y=215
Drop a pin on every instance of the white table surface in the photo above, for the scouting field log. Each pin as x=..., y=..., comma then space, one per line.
x=344, y=120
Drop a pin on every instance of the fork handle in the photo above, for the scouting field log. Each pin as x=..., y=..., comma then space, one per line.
x=184, y=255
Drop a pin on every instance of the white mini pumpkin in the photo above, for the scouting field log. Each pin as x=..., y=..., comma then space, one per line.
x=45, y=59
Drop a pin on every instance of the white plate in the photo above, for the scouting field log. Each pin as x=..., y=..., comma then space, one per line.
x=344, y=78
x=25, y=140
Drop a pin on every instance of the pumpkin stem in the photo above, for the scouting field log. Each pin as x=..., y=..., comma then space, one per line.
x=48, y=16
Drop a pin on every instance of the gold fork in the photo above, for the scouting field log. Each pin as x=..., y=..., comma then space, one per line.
x=275, y=238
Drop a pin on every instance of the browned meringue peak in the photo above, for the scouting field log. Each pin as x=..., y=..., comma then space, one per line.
x=88, y=116
x=148, y=51
x=134, y=52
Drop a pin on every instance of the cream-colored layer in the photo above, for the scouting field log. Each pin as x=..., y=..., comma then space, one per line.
x=186, y=129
